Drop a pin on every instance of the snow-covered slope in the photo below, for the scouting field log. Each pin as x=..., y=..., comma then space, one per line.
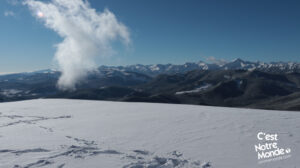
x=84, y=134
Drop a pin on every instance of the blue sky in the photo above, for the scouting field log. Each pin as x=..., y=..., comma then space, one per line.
x=165, y=31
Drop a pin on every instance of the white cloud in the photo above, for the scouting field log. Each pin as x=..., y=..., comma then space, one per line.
x=86, y=34
x=9, y=13
x=216, y=60
x=14, y=2
x=6, y=73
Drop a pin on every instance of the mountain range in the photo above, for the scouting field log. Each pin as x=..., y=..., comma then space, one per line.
x=237, y=83
x=156, y=69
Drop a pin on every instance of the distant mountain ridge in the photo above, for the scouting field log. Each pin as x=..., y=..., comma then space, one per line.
x=156, y=69
x=237, y=64
x=237, y=83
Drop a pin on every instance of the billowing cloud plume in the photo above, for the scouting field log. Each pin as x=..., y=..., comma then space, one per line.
x=86, y=34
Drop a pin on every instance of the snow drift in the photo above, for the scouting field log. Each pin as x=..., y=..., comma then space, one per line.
x=77, y=133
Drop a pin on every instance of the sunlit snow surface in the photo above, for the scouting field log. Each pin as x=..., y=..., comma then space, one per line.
x=97, y=134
